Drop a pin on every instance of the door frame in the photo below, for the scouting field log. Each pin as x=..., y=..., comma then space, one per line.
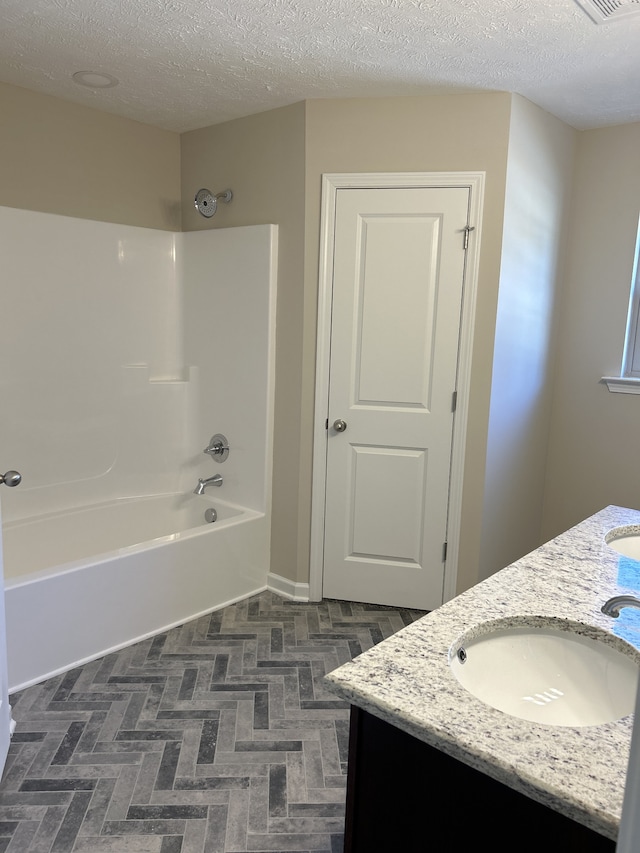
x=331, y=183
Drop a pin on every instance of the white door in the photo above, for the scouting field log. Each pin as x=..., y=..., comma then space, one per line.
x=398, y=273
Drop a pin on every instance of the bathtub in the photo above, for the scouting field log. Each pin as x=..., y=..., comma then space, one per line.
x=85, y=582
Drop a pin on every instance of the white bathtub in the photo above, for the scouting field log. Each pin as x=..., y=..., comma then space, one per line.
x=84, y=582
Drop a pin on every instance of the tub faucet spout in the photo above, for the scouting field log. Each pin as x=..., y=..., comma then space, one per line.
x=613, y=606
x=216, y=480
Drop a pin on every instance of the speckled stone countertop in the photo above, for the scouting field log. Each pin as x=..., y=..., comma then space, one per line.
x=406, y=680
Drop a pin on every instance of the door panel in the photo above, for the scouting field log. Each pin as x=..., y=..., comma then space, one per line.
x=392, y=369
x=395, y=534
x=397, y=294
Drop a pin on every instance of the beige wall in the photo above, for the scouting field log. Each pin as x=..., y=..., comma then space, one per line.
x=593, y=456
x=261, y=158
x=539, y=182
x=273, y=162
x=438, y=133
x=59, y=157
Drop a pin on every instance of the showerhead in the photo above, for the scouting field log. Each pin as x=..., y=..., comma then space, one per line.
x=207, y=203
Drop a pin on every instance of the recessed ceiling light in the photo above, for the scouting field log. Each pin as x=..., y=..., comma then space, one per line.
x=95, y=80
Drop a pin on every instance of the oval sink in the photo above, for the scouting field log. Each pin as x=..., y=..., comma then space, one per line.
x=625, y=540
x=547, y=675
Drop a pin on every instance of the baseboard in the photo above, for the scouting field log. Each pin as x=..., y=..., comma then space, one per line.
x=288, y=588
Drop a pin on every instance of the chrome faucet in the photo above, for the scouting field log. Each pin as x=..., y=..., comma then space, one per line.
x=613, y=606
x=216, y=480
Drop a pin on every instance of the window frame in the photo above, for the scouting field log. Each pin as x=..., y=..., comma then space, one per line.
x=629, y=380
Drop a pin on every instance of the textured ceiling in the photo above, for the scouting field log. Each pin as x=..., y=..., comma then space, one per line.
x=184, y=64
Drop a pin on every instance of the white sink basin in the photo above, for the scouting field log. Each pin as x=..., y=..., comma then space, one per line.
x=547, y=675
x=625, y=540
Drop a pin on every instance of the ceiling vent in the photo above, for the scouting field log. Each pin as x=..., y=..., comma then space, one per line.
x=603, y=11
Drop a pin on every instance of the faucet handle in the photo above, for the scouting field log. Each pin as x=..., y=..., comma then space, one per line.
x=218, y=447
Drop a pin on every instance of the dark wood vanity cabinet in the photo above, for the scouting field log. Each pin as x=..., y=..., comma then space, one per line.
x=404, y=796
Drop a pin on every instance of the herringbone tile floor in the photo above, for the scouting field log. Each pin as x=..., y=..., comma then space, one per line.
x=217, y=736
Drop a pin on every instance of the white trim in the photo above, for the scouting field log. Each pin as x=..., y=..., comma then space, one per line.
x=631, y=354
x=271, y=384
x=622, y=384
x=288, y=588
x=330, y=185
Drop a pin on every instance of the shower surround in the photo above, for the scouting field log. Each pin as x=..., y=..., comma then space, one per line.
x=124, y=350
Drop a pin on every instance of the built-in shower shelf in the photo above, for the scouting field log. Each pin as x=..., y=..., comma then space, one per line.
x=138, y=375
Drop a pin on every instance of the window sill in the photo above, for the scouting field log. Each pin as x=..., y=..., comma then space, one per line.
x=622, y=384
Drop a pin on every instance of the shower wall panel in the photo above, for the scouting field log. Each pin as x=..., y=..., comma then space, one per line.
x=86, y=307
x=228, y=278
x=101, y=398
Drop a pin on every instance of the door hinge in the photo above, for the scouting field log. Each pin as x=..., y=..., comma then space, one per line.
x=467, y=230
x=444, y=552
x=454, y=401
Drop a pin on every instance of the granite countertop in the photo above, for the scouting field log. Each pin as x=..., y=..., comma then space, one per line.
x=406, y=680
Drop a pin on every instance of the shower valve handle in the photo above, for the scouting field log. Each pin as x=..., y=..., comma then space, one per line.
x=11, y=478
x=218, y=447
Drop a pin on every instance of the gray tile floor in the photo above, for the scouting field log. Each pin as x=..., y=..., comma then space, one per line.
x=217, y=736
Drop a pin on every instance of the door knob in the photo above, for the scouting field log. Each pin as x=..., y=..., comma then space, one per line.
x=340, y=425
x=11, y=478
